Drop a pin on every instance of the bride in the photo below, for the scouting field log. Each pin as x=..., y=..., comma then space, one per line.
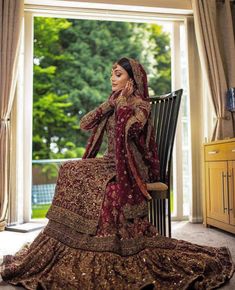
x=98, y=235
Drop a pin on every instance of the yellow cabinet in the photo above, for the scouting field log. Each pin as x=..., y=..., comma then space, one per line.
x=219, y=159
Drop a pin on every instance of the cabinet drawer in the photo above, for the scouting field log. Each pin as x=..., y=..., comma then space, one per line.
x=231, y=151
x=216, y=152
x=224, y=151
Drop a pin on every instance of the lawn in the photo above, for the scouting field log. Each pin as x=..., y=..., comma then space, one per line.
x=39, y=210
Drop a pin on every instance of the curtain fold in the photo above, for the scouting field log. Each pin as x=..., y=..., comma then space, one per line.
x=214, y=27
x=195, y=92
x=11, y=18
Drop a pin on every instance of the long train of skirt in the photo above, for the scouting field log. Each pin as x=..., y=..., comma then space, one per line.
x=170, y=264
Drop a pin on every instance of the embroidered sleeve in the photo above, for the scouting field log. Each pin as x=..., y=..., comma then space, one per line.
x=139, y=116
x=121, y=102
x=95, y=116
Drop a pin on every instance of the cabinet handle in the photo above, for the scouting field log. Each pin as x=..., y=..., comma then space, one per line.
x=232, y=176
x=213, y=152
x=223, y=176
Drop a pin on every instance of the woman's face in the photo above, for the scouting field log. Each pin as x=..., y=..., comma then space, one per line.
x=119, y=78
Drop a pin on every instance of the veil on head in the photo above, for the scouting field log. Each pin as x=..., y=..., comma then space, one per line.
x=140, y=77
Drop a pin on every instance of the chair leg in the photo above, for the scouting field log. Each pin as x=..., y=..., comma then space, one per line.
x=154, y=213
x=158, y=212
x=169, y=218
x=164, y=217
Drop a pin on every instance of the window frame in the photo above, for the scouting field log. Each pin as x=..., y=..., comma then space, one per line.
x=92, y=14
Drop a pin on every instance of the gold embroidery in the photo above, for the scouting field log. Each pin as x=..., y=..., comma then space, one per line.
x=138, y=76
x=80, y=191
x=72, y=220
x=49, y=263
x=140, y=183
x=90, y=119
x=99, y=131
x=112, y=243
x=137, y=210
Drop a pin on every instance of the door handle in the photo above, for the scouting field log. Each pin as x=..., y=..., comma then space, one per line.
x=224, y=175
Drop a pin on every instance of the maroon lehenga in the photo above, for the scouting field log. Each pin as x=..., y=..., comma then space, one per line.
x=98, y=235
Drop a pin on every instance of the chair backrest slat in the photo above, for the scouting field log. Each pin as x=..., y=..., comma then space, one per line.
x=165, y=111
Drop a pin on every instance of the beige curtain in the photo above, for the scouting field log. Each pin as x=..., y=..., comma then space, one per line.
x=214, y=26
x=11, y=16
x=195, y=92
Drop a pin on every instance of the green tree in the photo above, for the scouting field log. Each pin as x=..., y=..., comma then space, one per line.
x=72, y=65
x=160, y=79
x=50, y=110
x=93, y=47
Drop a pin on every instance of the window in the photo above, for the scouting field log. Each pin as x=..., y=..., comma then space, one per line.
x=176, y=83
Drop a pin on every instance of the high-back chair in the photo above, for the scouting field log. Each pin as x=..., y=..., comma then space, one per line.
x=164, y=114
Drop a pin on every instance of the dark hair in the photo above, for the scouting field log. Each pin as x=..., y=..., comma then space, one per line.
x=124, y=62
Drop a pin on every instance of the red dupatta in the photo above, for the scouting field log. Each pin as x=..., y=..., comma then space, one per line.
x=133, y=129
x=132, y=132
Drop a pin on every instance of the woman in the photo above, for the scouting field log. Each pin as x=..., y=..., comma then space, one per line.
x=98, y=235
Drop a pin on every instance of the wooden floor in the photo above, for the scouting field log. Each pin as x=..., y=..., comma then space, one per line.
x=10, y=242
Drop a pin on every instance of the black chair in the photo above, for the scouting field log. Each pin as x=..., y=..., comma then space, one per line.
x=164, y=114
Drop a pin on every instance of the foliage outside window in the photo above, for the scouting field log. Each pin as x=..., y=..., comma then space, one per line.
x=72, y=62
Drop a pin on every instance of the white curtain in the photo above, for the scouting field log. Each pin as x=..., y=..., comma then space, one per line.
x=11, y=19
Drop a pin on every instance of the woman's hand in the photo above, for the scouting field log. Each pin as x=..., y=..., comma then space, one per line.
x=120, y=97
x=129, y=89
x=125, y=93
